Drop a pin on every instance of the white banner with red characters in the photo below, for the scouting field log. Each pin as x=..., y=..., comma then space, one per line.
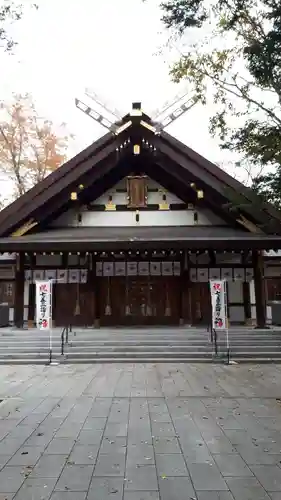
x=43, y=304
x=219, y=304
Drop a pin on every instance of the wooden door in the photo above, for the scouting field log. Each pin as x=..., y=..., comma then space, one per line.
x=140, y=300
x=74, y=304
x=200, y=299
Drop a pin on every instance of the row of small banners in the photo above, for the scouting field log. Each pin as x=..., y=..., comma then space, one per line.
x=138, y=268
x=44, y=304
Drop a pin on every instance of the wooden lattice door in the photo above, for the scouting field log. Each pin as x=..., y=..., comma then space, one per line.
x=140, y=300
x=201, y=310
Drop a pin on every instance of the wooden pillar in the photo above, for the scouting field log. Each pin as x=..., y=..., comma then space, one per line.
x=184, y=312
x=19, y=292
x=31, y=293
x=247, y=301
x=31, y=304
x=94, y=280
x=184, y=297
x=259, y=288
x=97, y=301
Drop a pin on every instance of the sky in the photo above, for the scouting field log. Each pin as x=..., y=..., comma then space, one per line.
x=111, y=46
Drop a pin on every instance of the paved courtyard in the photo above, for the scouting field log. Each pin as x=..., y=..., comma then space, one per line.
x=140, y=432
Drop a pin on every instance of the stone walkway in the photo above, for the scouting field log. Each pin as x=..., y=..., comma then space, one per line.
x=140, y=432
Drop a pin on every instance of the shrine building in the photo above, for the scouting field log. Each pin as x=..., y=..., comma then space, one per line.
x=132, y=229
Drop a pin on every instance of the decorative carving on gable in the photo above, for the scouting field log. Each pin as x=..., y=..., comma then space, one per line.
x=137, y=191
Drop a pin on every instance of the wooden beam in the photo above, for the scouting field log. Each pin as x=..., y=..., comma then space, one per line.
x=182, y=162
x=54, y=207
x=183, y=190
x=93, y=189
x=76, y=245
x=25, y=228
x=250, y=226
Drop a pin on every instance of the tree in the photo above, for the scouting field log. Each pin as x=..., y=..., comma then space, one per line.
x=10, y=11
x=2, y=203
x=30, y=146
x=235, y=65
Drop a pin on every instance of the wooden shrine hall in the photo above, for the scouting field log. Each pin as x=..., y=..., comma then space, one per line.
x=132, y=229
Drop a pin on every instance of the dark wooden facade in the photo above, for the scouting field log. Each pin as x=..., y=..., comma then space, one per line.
x=252, y=226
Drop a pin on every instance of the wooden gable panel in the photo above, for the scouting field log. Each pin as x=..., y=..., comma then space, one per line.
x=137, y=191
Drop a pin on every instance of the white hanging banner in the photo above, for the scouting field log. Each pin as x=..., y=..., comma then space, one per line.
x=167, y=269
x=193, y=274
x=120, y=268
x=43, y=304
x=143, y=268
x=202, y=275
x=62, y=275
x=83, y=276
x=108, y=268
x=99, y=269
x=219, y=304
x=177, y=268
x=132, y=268
x=74, y=275
x=50, y=274
x=214, y=273
x=38, y=274
x=28, y=275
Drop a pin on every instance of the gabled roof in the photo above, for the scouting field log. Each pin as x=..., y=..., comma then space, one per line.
x=162, y=157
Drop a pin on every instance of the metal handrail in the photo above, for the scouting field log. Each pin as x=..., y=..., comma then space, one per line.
x=64, y=337
x=215, y=341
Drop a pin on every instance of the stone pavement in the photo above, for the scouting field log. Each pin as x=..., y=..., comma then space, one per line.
x=140, y=432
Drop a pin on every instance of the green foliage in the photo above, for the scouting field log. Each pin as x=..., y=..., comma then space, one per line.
x=269, y=187
x=182, y=14
x=242, y=78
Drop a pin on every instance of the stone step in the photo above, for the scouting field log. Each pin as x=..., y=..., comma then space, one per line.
x=140, y=341
x=140, y=360
x=28, y=356
x=137, y=346
x=99, y=334
x=159, y=338
x=31, y=361
x=185, y=348
x=139, y=354
x=108, y=360
x=257, y=360
x=254, y=348
x=256, y=355
x=24, y=361
x=238, y=352
x=77, y=343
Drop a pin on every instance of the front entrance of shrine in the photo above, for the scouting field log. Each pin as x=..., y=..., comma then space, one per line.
x=140, y=300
